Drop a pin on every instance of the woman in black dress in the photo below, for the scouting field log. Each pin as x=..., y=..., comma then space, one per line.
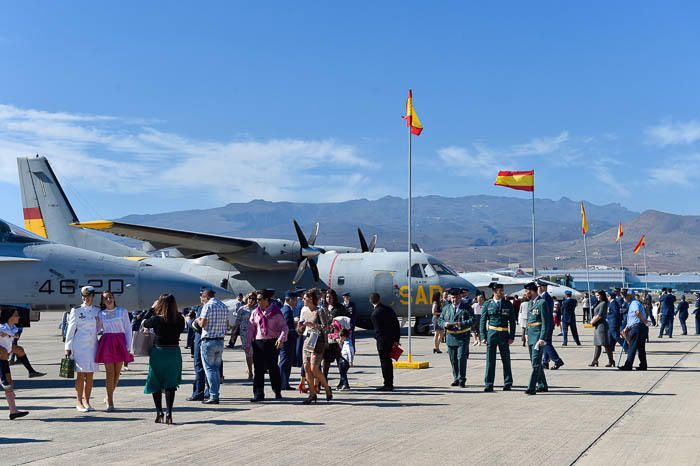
x=600, y=334
x=165, y=362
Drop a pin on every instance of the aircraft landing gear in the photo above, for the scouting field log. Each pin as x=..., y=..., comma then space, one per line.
x=422, y=326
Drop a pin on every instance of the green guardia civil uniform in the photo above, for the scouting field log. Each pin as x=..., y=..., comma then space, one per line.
x=539, y=322
x=499, y=318
x=457, y=340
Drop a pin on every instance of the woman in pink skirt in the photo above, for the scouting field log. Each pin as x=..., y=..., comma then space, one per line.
x=113, y=348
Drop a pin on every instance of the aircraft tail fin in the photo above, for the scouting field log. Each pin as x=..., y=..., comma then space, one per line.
x=48, y=213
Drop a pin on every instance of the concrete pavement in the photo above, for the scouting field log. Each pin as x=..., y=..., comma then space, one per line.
x=590, y=416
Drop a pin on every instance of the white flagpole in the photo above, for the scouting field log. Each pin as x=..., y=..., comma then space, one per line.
x=646, y=274
x=410, y=240
x=588, y=274
x=534, y=268
x=622, y=267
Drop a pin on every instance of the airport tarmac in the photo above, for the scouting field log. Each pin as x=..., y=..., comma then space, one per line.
x=590, y=415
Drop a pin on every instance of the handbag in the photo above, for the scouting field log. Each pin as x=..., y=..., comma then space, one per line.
x=67, y=370
x=143, y=342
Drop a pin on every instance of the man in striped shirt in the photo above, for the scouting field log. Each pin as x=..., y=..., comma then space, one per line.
x=213, y=321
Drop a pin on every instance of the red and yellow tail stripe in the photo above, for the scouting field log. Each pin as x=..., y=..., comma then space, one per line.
x=34, y=222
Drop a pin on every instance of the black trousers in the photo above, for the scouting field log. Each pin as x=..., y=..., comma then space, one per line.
x=387, y=366
x=638, y=342
x=265, y=356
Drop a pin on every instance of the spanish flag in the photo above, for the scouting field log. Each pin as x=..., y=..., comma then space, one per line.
x=522, y=181
x=411, y=118
x=620, y=233
x=584, y=221
x=642, y=242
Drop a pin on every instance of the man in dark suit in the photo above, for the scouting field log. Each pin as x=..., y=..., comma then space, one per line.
x=568, y=318
x=387, y=332
x=549, y=352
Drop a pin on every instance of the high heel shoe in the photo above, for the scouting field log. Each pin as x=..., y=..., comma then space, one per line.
x=302, y=388
x=610, y=364
x=435, y=350
x=159, y=418
x=309, y=400
x=593, y=364
x=329, y=394
x=169, y=419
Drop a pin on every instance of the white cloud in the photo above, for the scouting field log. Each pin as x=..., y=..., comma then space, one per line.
x=481, y=159
x=606, y=171
x=541, y=146
x=671, y=133
x=112, y=154
x=672, y=176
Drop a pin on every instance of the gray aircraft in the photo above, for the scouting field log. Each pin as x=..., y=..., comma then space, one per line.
x=43, y=275
x=245, y=264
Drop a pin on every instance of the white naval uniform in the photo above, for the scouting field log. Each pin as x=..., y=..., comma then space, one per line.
x=81, y=337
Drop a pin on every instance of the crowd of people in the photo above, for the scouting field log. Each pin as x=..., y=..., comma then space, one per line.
x=313, y=329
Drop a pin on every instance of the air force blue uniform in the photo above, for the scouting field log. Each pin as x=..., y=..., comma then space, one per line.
x=288, y=350
x=667, y=302
x=568, y=320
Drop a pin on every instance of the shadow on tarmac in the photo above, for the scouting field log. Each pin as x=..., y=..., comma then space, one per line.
x=233, y=422
x=92, y=419
x=14, y=441
x=557, y=391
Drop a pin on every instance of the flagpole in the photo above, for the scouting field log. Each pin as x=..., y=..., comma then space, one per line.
x=410, y=240
x=534, y=269
x=588, y=273
x=622, y=267
x=646, y=275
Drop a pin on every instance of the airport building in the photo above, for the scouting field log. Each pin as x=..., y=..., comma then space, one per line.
x=612, y=278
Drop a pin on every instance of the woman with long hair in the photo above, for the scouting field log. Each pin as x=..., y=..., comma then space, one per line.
x=241, y=323
x=113, y=350
x=165, y=360
x=332, y=352
x=313, y=319
x=8, y=329
x=600, y=334
x=436, y=311
x=81, y=346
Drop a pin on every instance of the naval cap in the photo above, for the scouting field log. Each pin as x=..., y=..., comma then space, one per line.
x=290, y=295
x=87, y=290
x=530, y=286
x=495, y=286
x=346, y=294
x=568, y=293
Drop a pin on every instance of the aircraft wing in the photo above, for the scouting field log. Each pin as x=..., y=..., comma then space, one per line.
x=8, y=259
x=191, y=244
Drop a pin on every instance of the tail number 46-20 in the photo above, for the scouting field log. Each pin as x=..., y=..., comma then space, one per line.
x=116, y=286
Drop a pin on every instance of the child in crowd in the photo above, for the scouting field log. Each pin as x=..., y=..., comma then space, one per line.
x=347, y=355
x=8, y=330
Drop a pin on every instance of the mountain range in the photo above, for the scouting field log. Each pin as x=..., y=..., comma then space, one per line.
x=469, y=233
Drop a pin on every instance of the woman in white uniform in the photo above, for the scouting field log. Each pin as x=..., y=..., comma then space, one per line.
x=114, y=348
x=81, y=346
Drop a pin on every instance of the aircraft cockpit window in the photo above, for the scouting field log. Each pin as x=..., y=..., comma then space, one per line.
x=416, y=271
x=10, y=233
x=442, y=269
x=428, y=270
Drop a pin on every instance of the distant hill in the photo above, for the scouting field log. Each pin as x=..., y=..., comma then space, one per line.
x=470, y=232
x=439, y=222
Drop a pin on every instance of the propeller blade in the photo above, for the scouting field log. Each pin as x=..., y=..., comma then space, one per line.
x=372, y=243
x=300, y=271
x=314, y=234
x=301, y=236
x=363, y=241
x=314, y=271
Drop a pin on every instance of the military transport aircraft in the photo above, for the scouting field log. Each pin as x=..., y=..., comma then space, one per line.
x=245, y=264
x=43, y=275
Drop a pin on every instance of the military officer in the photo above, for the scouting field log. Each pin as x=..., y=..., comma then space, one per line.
x=682, y=313
x=457, y=318
x=568, y=318
x=498, y=312
x=539, y=324
x=696, y=311
x=667, y=301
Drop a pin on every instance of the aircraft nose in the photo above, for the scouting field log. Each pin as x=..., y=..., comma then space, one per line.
x=154, y=281
x=457, y=282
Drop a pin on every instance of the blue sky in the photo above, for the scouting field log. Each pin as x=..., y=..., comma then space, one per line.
x=160, y=106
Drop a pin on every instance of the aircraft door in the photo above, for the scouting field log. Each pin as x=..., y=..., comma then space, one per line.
x=384, y=285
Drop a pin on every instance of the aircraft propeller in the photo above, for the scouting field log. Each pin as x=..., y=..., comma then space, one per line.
x=363, y=242
x=307, y=253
